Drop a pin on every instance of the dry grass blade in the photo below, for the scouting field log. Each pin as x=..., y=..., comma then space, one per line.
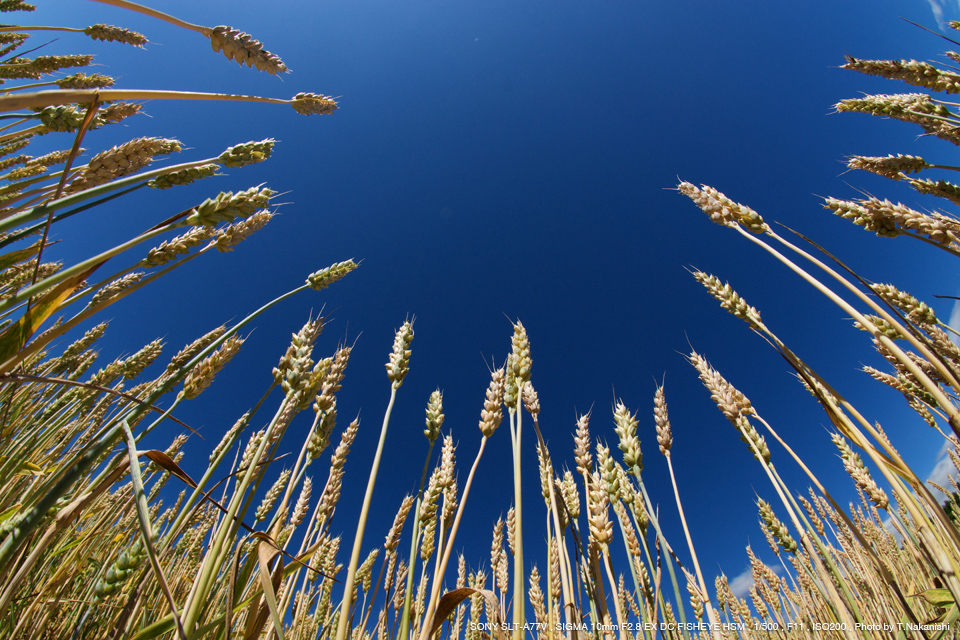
x=143, y=514
x=266, y=552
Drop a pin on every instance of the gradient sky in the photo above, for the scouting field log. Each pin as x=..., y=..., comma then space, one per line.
x=518, y=159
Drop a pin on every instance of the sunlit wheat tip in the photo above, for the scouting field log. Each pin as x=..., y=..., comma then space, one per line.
x=496, y=545
x=308, y=104
x=511, y=529
x=237, y=232
x=511, y=390
x=896, y=382
x=393, y=536
x=521, y=352
x=435, y=416
x=914, y=72
x=883, y=327
x=12, y=38
x=365, y=572
x=721, y=588
x=296, y=362
x=172, y=249
x=85, y=81
x=729, y=400
x=16, y=5
x=247, y=153
x=776, y=528
x=35, y=68
x=627, y=493
x=696, y=598
x=332, y=379
x=52, y=158
x=183, y=176
x=662, y=421
x=600, y=526
x=270, y=499
x=911, y=107
x=812, y=514
x=398, y=363
x=502, y=573
x=325, y=425
x=241, y=47
x=447, y=463
x=60, y=118
x=890, y=166
x=110, y=33
x=115, y=287
x=633, y=544
x=492, y=412
x=115, y=112
x=906, y=106
x=752, y=438
x=431, y=494
x=201, y=376
x=570, y=494
x=191, y=350
x=546, y=473
x=427, y=548
x=134, y=365
x=531, y=401
x=13, y=147
x=914, y=309
x=721, y=209
x=346, y=441
x=858, y=471
x=608, y=471
x=84, y=342
x=322, y=279
x=23, y=274
x=228, y=206
x=728, y=298
x=888, y=219
x=122, y=160
x=536, y=597
x=939, y=188
x=581, y=440
x=29, y=170
x=626, y=430
x=230, y=436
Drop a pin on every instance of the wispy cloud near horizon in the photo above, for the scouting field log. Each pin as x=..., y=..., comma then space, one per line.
x=942, y=471
x=940, y=8
x=740, y=584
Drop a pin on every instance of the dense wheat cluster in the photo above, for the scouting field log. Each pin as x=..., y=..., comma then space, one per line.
x=100, y=538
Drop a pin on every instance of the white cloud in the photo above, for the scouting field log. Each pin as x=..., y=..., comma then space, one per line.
x=942, y=471
x=954, y=321
x=740, y=584
x=937, y=7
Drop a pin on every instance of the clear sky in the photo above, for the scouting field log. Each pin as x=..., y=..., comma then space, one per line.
x=518, y=158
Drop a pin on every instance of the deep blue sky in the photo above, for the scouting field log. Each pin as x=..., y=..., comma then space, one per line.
x=518, y=158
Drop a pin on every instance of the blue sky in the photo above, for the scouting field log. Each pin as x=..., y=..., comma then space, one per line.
x=519, y=159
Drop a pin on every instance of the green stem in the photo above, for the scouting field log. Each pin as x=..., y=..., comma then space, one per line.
x=408, y=594
x=41, y=211
x=668, y=553
x=73, y=470
x=435, y=589
x=348, y=588
x=711, y=614
x=519, y=601
x=28, y=292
